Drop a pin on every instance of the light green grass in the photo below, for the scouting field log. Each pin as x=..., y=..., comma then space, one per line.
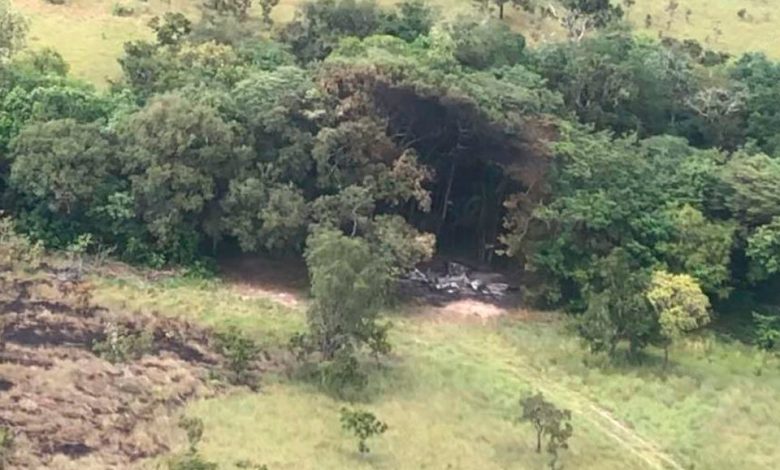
x=91, y=39
x=450, y=393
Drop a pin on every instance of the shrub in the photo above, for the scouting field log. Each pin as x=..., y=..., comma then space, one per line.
x=122, y=345
x=122, y=10
x=239, y=351
x=6, y=446
x=363, y=425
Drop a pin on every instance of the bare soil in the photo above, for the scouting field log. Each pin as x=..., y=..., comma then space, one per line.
x=69, y=408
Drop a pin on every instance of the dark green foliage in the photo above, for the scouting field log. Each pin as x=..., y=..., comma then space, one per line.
x=549, y=422
x=66, y=165
x=767, y=331
x=617, y=308
x=412, y=19
x=176, y=153
x=364, y=425
x=319, y=25
x=483, y=43
x=240, y=352
x=761, y=77
x=172, y=29
x=620, y=82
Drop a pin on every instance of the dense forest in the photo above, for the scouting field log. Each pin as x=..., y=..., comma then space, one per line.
x=406, y=131
x=634, y=182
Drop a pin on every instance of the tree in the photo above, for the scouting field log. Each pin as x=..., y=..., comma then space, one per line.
x=752, y=188
x=267, y=6
x=680, y=304
x=68, y=165
x=318, y=26
x=581, y=16
x=236, y=8
x=482, y=43
x=177, y=155
x=767, y=331
x=172, y=29
x=412, y=19
x=548, y=421
x=701, y=248
x=348, y=285
x=763, y=251
x=617, y=308
x=13, y=31
x=363, y=424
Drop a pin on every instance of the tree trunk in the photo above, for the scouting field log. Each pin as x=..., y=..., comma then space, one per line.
x=666, y=356
x=445, y=203
x=538, y=441
x=501, y=11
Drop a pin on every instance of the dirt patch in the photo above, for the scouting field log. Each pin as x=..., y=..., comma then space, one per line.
x=282, y=280
x=66, y=405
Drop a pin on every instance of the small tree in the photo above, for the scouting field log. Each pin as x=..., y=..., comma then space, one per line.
x=548, y=421
x=13, y=31
x=617, y=308
x=267, y=7
x=240, y=351
x=171, y=29
x=680, y=304
x=348, y=284
x=767, y=331
x=363, y=425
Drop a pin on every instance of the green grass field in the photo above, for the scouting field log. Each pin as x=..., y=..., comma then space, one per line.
x=450, y=395
x=90, y=38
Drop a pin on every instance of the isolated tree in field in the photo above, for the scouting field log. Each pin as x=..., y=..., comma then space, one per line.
x=548, y=421
x=171, y=29
x=267, y=7
x=237, y=8
x=348, y=285
x=680, y=304
x=13, y=31
x=364, y=425
x=579, y=17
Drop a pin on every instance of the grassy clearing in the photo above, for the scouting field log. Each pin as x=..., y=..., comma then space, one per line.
x=90, y=38
x=450, y=396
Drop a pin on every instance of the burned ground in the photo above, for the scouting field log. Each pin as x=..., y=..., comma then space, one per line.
x=68, y=406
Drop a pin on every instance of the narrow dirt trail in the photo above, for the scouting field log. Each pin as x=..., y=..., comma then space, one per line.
x=600, y=419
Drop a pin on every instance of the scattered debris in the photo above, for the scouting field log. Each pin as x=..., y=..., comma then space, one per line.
x=456, y=281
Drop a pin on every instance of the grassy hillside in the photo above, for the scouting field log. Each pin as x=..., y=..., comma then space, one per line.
x=450, y=393
x=90, y=37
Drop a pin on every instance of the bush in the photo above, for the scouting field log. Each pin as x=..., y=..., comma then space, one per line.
x=239, y=351
x=342, y=376
x=363, y=425
x=17, y=251
x=122, y=345
x=6, y=446
x=122, y=10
